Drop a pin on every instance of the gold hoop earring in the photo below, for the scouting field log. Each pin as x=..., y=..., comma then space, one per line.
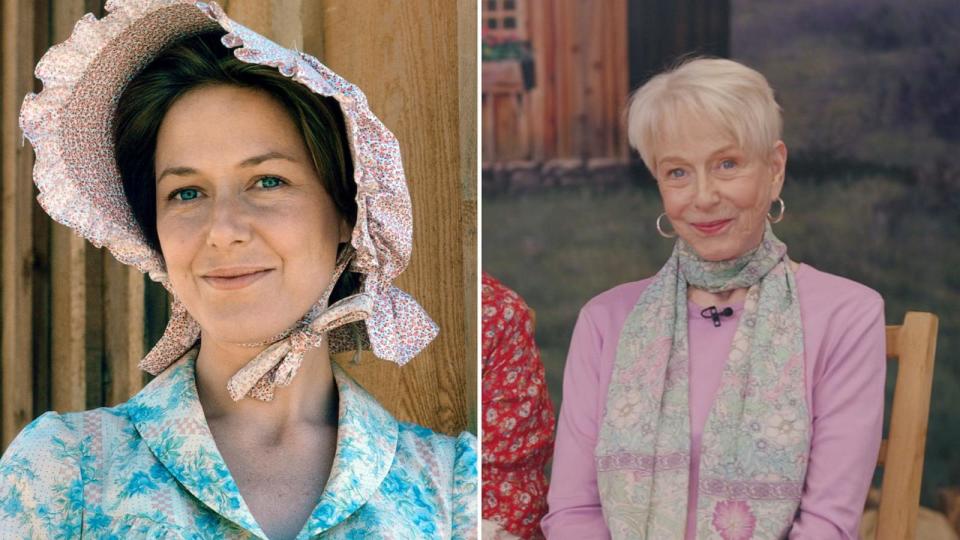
x=779, y=217
x=660, y=230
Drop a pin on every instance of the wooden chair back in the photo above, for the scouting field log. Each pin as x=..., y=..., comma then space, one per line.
x=913, y=344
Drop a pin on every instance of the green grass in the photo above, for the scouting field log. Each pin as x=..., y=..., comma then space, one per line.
x=561, y=247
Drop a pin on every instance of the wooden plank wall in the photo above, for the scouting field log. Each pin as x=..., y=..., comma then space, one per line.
x=409, y=63
x=581, y=71
x=419, y=74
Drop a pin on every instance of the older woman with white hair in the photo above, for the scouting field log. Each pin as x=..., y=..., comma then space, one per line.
x=737, y=393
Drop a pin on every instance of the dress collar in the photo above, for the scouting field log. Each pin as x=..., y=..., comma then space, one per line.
x=168, y=415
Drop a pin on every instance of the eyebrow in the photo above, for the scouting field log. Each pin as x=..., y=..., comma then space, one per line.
x=249, y=162
x=726, y=148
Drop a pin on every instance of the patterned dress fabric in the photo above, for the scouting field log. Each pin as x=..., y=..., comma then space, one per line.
x=149, y=468
x=755, y=443
x=518, y=418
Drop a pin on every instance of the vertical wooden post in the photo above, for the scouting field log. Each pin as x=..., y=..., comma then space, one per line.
x=287, y=22
x=916, y=347
x=123, y=329
x=543, y=97
x=468, y=84
x=593, y=22
x=68, y=336
x=407, y=62
x=563, y=80
x=620, y=86
x=68, y=384
x=279, y=20
x=17, y=265
x=312, y=12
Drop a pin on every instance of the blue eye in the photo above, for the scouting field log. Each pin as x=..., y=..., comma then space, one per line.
x=728, y=164
x=186, y=194
x=270, y=182
x=676, y=173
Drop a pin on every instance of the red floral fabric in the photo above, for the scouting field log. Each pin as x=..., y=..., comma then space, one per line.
x=518, y=418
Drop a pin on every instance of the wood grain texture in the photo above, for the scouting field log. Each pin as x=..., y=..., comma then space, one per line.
x=407, y=63
x=618, y=79
x=916, y=343
x=543, y=129
x=68, y=271
x=596, y=65
x=312, y=12
x=468, y=68
x=574, y=111
x=95, y=338
x=256, y=15
x=68, y=340
x=17, y=252
x=563, y=110
x=123, y=330
x=41, y=285
x=471, y=303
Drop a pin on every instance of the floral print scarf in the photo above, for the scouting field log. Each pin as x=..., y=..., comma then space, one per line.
x=756, y=440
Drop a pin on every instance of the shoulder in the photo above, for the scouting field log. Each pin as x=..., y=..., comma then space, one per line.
x=448, y=464
x=844, y=328
x=494, y=292
x=446, y=450
x=607, y=310
x=65, y=435
x=51, y=435
x=438, y=473
x=451, y=461
x=54, y=443
x=824, y=295
x=504, y=311
x=41, y=486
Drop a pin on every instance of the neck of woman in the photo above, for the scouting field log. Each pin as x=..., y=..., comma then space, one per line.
x=706, y=299
x=311, y=399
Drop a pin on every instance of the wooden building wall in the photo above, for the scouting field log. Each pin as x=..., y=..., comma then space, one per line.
x=573, y=110
x=588, y=56
x=75, y=322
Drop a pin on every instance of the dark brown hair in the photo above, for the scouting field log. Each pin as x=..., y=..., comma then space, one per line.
x=203, y=60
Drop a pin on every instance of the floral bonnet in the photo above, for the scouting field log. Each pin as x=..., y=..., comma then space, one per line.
x=70, y=122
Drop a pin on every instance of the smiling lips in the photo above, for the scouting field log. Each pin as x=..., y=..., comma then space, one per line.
x=234, y=278
x=712, y=227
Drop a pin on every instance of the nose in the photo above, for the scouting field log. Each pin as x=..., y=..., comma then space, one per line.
x=229, y=223
x=706, y=195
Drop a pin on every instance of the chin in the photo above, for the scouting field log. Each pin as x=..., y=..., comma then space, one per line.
x=252, y=327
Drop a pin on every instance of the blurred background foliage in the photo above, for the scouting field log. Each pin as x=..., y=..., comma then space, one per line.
x=872, y=120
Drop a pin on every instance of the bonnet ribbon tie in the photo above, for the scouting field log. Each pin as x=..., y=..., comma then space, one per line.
x=280, y=361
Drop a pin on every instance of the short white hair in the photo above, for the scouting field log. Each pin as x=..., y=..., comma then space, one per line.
x=735, y=98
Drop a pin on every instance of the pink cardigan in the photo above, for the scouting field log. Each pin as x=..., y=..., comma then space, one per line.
x=845, y=366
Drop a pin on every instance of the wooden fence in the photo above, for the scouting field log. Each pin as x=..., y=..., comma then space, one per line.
x=75, y=322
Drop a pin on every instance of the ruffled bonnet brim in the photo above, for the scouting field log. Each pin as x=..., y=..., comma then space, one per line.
x=70, y=125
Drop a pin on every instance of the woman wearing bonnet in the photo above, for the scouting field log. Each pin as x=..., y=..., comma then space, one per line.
x=736, y=394
x=258, y=188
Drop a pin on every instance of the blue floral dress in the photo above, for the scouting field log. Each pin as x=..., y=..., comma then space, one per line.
x=149, y=468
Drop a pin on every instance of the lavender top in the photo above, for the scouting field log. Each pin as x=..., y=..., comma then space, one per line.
x=844, y=365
